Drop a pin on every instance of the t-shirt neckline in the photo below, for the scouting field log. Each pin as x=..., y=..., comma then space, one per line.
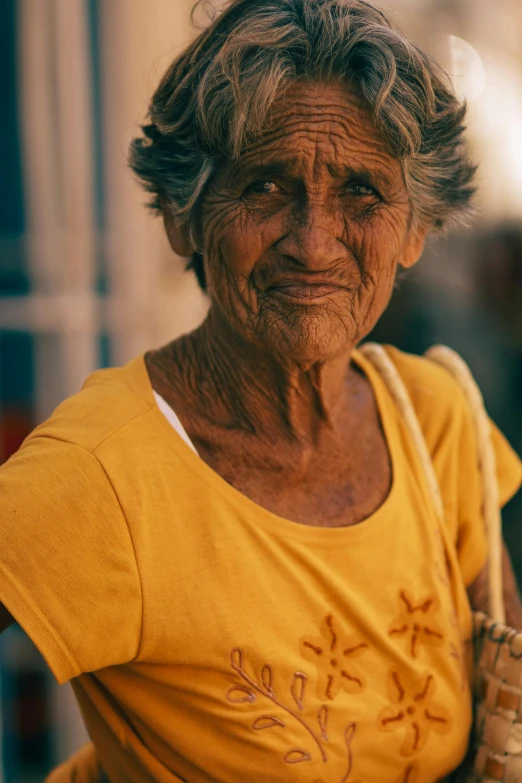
x=270, y=520
x=173, y=419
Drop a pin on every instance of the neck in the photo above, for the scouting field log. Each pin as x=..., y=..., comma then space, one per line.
x=240, y=385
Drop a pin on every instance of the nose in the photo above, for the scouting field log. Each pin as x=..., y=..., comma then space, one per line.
x=312, y=240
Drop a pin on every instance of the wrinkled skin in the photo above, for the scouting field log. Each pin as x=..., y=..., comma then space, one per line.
x=302, y=239
x=318, y=198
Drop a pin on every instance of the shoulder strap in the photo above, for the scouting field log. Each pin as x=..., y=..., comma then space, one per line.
x=457, y=367
x=451, y=360
x=376, y=354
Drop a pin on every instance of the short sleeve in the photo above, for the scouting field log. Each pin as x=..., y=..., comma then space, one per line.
x=68, y=571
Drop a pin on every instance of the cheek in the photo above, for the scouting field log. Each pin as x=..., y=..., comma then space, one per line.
x=377, y=242
x=380, y=239
x=235, y=240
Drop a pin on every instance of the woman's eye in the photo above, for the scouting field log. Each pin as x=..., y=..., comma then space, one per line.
x=360, y=189
x=263, y=187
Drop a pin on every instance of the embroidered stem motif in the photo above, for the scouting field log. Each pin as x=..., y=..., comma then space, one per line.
x=238, y=695
x=296, y=756
x=297, y=688
x=348, y=737
x=265, y=689
x=252, y=689
x=330, y=653
x=267, y=722
x=322, y=719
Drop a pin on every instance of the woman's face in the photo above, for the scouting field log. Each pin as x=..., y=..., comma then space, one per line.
x=302, y=237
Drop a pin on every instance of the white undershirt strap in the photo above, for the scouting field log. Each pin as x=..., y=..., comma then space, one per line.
x=171, y=417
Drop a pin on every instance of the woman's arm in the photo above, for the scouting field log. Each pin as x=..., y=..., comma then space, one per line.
x=6, y=619
x=478, y=592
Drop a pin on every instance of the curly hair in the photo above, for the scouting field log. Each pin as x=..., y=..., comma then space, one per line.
x=216, y=97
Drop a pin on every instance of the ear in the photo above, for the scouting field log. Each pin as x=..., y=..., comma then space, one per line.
x=413, y=248
x=178, y=235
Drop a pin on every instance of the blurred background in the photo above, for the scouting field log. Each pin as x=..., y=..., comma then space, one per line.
x=87, y=278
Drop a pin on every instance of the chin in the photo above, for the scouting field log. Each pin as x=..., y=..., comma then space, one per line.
x=307, y=340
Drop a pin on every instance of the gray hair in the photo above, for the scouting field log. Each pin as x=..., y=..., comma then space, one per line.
x=216, y=97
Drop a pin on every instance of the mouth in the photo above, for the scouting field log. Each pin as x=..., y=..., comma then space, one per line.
x=304, y=292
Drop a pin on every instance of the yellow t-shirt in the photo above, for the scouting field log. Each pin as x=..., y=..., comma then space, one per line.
x=208, y=639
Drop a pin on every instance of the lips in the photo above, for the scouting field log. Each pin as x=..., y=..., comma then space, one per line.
x=303, y=291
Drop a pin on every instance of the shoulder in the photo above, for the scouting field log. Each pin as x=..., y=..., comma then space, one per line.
x=445, y=417
x=424, y=378
x=65, y=523
x=64, y=460
x=439, y=401
x=108, y=402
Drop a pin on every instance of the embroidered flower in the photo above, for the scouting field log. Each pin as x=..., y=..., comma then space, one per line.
x=416, y=624
x=332, y=653
x=413, y=712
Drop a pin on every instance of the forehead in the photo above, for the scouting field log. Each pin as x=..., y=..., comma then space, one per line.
x=323, y=123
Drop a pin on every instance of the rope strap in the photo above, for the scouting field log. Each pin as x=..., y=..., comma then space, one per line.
x=486, y=456
x=488, y=470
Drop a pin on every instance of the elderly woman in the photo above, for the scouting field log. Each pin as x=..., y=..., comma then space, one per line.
x=227, y=545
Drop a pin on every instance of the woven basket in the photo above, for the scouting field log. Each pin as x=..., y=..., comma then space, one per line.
x=497, y=740
x=496, y=744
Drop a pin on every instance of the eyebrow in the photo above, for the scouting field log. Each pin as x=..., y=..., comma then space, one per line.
x=376, y=176
x=273, y=169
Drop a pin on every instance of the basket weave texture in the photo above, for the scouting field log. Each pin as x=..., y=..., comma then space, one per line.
x=497, y=739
